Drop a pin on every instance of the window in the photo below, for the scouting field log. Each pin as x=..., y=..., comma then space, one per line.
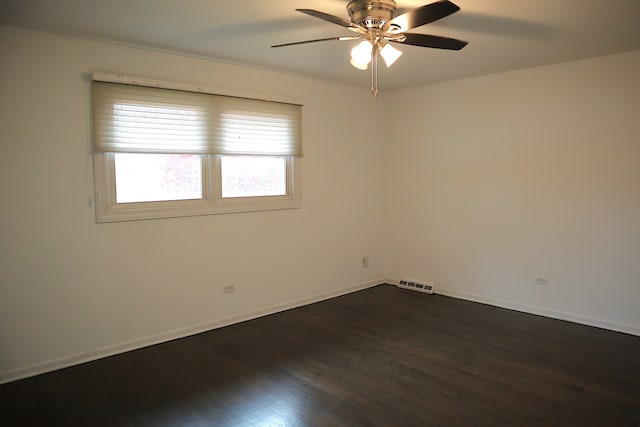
x=253, y=176
x=162, y=152
x=157, y=177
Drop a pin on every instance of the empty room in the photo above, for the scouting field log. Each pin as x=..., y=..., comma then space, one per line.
x=320, y=213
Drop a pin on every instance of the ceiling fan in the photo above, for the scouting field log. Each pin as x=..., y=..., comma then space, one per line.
x=376, y=26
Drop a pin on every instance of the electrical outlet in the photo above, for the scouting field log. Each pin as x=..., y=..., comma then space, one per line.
x=228, y=289
x=542, y=281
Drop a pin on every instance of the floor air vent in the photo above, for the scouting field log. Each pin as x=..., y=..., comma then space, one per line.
x=415, y=286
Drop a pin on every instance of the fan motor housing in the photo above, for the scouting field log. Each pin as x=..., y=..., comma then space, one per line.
x=371, y=14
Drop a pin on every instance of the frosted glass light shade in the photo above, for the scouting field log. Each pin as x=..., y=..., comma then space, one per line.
x=390, y=54
x=358, y=65
x=361, y=55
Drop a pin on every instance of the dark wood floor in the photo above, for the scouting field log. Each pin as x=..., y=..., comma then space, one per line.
x=379, y=357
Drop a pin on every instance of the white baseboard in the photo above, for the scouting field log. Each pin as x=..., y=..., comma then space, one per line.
x=541, y=311
x=110, y=350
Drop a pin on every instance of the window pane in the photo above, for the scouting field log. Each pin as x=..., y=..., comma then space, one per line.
x=251, y=176
x=157, y=177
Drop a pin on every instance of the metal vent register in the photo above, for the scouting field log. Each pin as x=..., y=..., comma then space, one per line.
x=415, y=286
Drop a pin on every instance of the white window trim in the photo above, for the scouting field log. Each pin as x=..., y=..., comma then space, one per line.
x=291, y=200
x=212, y=202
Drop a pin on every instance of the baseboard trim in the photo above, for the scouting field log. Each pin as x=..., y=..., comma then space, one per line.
x=123, y=347
x=541, y=311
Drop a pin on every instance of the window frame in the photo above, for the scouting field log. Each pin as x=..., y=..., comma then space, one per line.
x=108, y=210
x=290, y=200
x=211, y=203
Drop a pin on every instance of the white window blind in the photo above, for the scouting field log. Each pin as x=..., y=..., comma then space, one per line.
x=139, y=119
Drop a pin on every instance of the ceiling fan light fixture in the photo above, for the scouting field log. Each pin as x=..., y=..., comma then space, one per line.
x=376, y=26
x=361, y=55
x=390, y=54
x=358, y=65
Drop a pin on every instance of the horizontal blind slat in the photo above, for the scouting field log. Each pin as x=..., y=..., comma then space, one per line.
x=128, y=118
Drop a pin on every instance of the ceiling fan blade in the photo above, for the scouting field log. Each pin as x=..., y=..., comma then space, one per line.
x=426, y=40
x=316, y=40
x=330, y=18
x=424, y=15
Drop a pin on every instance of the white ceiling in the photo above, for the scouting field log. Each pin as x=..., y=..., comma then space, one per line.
x=503, y=35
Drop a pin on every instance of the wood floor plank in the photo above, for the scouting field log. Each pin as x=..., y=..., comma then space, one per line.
x=378, y=357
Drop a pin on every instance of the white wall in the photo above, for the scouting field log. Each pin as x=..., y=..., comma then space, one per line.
x=71, y=289
x=495, y=181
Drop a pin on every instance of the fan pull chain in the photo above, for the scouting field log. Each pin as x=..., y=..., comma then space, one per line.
x=374, y=71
